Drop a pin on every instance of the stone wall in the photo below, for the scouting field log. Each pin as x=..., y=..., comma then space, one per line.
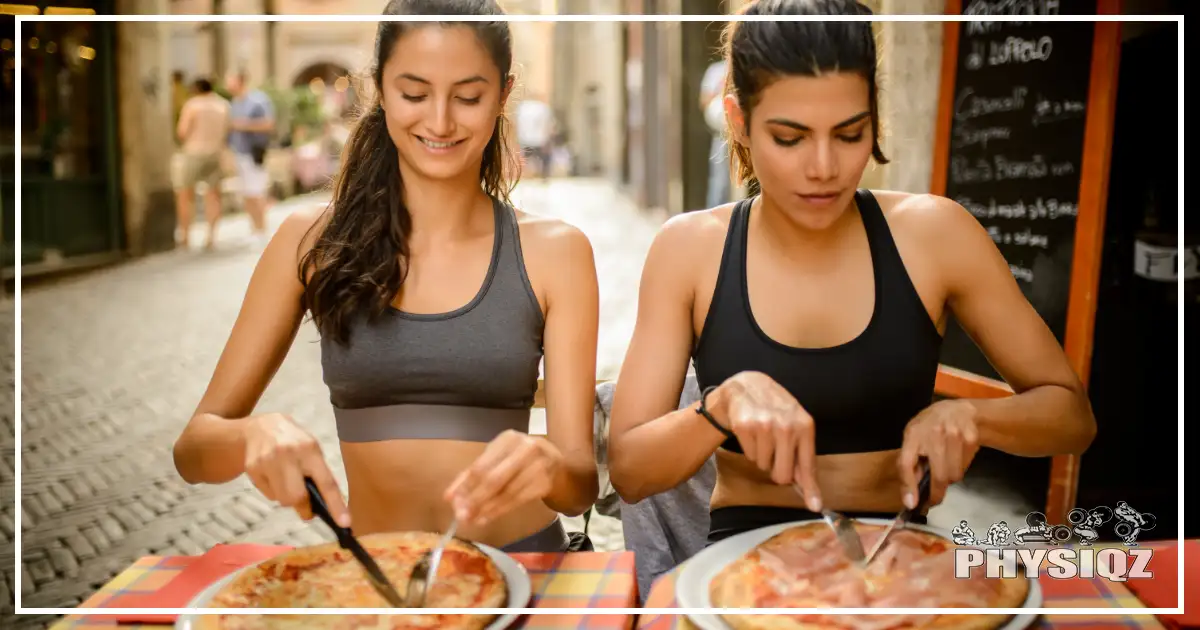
x=145, y=129
x=910, y=56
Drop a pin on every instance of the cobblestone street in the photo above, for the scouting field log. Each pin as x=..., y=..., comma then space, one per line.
x=115, y=360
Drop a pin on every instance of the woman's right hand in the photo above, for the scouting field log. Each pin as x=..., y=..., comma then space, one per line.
x=279, y=455
x=775, y=432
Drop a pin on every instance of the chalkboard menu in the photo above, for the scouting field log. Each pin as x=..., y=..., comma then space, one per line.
x=1016, y=142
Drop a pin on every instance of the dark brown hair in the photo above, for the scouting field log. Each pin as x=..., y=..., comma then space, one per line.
x=758, y=53
x=360, y=259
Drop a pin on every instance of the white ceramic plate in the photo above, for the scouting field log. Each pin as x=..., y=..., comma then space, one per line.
x=520, y=590
x=691, y=588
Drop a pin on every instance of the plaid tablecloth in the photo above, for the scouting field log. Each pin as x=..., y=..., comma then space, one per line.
x=574, y=580
x=1056, y=593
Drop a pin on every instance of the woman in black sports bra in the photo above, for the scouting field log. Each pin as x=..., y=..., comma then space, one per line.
x=813, y=310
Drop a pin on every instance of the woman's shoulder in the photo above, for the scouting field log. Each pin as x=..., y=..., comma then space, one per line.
x=301, y=228
x=695, y=233
x=927, y=214
x=543, y=231
x=552, y=241
x=940, y=227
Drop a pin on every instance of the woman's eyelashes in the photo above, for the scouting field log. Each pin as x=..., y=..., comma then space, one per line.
x=791, y=142
x=417, y=98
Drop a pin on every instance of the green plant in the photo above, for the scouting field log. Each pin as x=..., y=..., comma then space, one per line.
x=295, y=108
x=306, y=108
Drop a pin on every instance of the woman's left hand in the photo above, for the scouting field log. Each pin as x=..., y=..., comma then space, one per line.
x=945, y=434
x=514, y=469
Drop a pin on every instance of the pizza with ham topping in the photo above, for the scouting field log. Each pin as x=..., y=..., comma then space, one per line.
x=327, y=576
x=804, y=567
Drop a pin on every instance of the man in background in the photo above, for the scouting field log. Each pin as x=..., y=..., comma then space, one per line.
x=712, y=94
x=252, y=125
x=202, y=130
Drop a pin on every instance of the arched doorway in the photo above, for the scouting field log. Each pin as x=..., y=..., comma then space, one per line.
x=331, y=84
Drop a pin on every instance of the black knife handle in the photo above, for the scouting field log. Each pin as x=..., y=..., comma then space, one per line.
x=321, y=510
x=922, y=485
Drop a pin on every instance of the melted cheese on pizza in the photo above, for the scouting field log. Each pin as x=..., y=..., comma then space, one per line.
x=338, y=581
x=327, y=576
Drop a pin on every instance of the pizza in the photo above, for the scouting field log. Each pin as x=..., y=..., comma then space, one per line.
x=804, y=567
x=327, y=576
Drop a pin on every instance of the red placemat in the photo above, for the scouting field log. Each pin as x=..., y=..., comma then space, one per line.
x=1162, y=590
x=196, y=574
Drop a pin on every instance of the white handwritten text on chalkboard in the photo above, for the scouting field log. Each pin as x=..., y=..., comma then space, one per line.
x=1037, y=209
x=968, y=105
x=1021, y=273
x=1018, y=111
x=965, y=136
x=1017, y=50
x=1024, y=238
x=1048, y=111
x=964, y=171
x=1034, y=168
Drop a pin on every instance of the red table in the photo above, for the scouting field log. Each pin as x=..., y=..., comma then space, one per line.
x=559, y=580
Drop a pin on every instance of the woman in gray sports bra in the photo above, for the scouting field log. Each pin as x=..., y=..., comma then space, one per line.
x=434, y=300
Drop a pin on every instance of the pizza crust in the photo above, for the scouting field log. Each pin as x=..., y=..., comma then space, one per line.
x=327, y=576
x=751, y=580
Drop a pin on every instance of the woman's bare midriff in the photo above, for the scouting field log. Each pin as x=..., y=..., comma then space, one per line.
x=857, y=482
x=398, y=486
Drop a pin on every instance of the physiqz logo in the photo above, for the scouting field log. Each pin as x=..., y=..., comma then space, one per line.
x=1066, y=550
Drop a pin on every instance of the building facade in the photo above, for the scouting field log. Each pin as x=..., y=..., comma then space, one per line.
x=70, y=192
x=631, y=93
x=625, y=94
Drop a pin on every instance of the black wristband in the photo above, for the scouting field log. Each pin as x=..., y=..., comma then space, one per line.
x=703, y=411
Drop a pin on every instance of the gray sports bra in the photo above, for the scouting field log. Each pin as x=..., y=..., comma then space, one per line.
x=467, y=375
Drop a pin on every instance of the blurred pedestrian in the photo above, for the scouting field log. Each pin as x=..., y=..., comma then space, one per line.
x=535, y=131
x=435, y=300
x=252, y=127
x=202, y=131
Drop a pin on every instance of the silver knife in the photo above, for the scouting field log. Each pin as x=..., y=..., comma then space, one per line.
x=905, y=514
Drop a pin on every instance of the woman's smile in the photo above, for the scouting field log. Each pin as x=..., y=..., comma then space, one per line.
x=439, y=147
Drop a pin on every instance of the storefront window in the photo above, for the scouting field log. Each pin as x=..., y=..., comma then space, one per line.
x=69, y=207
x=8, y=94
x=62, y=109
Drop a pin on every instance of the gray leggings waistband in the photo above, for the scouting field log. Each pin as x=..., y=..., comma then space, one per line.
x=552, y=538
x=427, y=422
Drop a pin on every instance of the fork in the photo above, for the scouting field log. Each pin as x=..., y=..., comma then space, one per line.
x=847, y=535
x=843, y=529
x=424, y=572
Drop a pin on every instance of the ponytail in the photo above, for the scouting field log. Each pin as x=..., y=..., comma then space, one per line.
x=359, y=261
